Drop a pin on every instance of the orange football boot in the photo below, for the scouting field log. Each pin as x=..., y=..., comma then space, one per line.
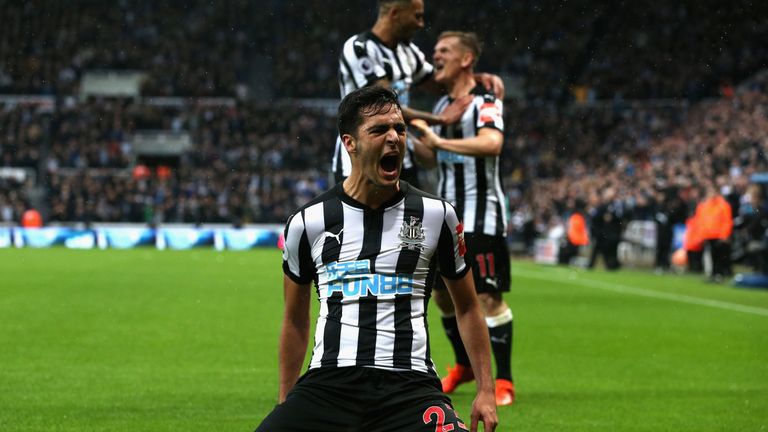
x=505, y=392
x=457, y=375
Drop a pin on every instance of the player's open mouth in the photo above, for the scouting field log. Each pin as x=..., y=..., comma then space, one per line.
x=389, y=163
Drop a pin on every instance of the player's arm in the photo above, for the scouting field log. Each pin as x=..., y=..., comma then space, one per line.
x=300, y=272
x=492, y=82
x=472, y=327
x=474, y=334
x=425, y=156
x=294, y=335
x=451, y=114
x=488, y=141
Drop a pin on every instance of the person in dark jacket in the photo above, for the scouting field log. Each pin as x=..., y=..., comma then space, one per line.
x=607, y=227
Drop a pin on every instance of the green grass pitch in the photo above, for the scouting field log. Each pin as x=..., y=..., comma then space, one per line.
x=147, y=340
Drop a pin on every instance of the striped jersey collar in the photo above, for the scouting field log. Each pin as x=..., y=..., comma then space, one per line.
x=372, y=36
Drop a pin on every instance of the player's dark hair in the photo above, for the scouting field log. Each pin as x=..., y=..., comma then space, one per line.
x=366, y=101
x=468, y=40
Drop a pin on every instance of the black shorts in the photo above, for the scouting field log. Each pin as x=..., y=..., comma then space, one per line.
x=489, y=258
x=360, y=399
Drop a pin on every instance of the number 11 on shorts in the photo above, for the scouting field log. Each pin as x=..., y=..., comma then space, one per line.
x=489, y=269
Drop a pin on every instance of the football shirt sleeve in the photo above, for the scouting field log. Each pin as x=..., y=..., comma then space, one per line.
x=297, y=258
x=489, y=112
x=451, y=246
x=362, y=63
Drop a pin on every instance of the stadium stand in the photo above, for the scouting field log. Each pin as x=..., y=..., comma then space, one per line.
x=12, y=201
x=196, y=50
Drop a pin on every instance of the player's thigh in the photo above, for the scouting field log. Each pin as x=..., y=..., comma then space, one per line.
x=301, y=414
x=489, y=257
x=320, y=401
x=409, y=402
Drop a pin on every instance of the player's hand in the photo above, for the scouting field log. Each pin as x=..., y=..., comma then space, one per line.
x=453, y=112
x=420, y=124
x=484, y=411
x=427, y=136
x=493, y=83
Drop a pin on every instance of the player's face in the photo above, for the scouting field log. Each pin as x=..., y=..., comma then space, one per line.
x=449, y=59
x=381, y=147
x=410, y=20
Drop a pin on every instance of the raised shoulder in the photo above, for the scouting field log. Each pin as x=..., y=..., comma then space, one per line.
x=358, y=42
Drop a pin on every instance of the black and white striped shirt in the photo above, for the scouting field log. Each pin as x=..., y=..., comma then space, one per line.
x=371, y=268
x=473, y=184
x=365, y=60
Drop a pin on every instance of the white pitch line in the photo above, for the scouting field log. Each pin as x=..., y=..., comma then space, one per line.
x=625, y=289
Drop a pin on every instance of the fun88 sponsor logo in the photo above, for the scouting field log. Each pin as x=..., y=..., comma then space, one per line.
x=354, y=279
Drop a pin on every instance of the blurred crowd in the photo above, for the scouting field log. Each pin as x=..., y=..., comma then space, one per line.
x=655, y=165
x=552, y=155
x=199, y=48
x=612, y=49
x=248, y=164
x=13, y=200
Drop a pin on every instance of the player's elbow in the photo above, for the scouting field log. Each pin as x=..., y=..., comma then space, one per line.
x=491, y=141
x=493, y=146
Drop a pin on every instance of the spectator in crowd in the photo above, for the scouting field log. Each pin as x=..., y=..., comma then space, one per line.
x=693, y=242
x=715, y=221
x=576, y=234
x=669, y=211
x=607, y=222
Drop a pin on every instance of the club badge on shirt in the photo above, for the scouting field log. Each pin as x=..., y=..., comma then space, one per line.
x=412, y=234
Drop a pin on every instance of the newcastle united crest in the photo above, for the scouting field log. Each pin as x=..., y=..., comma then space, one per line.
x=412, y=234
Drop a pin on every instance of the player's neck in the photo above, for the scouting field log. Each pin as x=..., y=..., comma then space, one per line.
x=361, y=190
x=462, y=86
x=383, y=31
